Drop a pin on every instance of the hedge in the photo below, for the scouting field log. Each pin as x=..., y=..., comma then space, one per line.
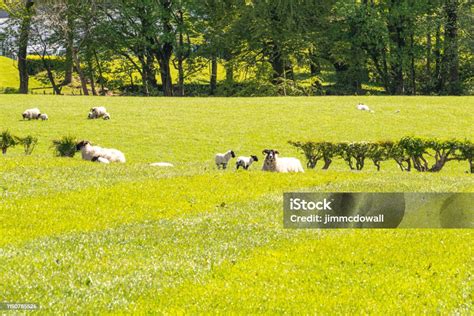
x=423, y=155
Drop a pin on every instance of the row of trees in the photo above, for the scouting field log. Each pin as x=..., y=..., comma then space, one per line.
x=405, y=46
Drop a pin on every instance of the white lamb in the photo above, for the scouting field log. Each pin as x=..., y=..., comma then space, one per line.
x=31, y=114
x=223, y=159
x=245, y=162
x=43, y=117
x=363, y=107
x=280, y=164
x=94, y=153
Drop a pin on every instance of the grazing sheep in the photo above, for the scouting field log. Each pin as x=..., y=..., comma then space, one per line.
x=31, y=114
x=161, y=164
x=223, y=159
x=43, y=117
x=90, y=152
x=106, y=116
x=245, y=162
x=280, y=164
x=363, y=107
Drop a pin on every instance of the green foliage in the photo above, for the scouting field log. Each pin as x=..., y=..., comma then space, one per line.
x=36, y=65
x=466, y=152
x=7, y=140
x=29, y=143
x=315, y=151
x=65, y=147
x=406, y=152
x=354, y=152
x=380, y=151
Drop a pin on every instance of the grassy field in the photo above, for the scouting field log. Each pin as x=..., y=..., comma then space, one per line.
x=77, y=236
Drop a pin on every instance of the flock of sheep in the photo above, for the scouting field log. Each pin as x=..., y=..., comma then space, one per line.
x=272, y=162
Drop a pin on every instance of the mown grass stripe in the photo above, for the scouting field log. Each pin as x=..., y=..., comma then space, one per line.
x=99, y=208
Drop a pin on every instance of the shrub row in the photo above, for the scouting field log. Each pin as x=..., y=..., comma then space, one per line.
x=8, y=140
x=424, y=155
x=64, y=147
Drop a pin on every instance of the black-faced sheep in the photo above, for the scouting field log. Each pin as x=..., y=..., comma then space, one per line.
x=31, y=114
x=93, y=153
x=280, y=164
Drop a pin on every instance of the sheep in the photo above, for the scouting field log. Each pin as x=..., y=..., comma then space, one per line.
x=43, y=117
x=280, y=164
x=223, y=159
x=245, y=162
x=161, y=164
x=31, y=114
x=98, y=111
x=106, y=116
x=363, y=107
x=93, y=153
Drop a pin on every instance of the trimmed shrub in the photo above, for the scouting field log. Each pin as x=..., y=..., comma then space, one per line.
x=380, y=151
x=354, y=152
x=466, y=152
x=65, y=147
x=7, y=140
x=317, y=151
x=29, y=143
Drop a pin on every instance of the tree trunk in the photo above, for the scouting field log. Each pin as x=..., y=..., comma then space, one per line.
x=101, y=77
x=412, y=64
x=428, y=52
x=69, y=63
x=165, y=71
x=213, y=80
x=396, y=28
x=82, y=77
x=56, y=88
x=229, y=72
x=91, y=76
x=180, y=77
x=439, y=82
x=23, y=46
x=451, y=47
x=314, y=64
x=277, y=63
x=327, y=163
x=164, y=53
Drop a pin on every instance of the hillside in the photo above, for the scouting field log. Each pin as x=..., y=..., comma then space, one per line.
x=9, y=75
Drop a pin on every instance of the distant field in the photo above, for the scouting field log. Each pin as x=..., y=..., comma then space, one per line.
x=77, y=236
x=9, y=75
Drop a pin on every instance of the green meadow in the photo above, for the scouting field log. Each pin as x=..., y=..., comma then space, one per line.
x=77, y=236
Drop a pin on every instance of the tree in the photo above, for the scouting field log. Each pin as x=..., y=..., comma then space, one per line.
x=25, y=16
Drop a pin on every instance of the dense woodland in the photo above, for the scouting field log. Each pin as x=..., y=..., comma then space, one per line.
x=267, y=47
